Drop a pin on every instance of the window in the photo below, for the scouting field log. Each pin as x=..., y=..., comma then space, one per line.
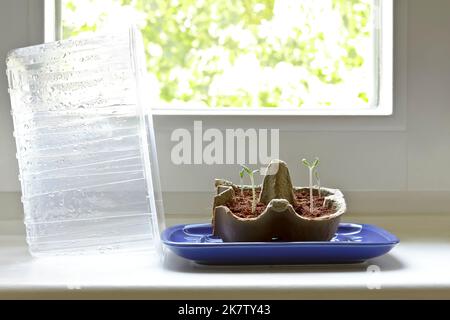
x=327, y=57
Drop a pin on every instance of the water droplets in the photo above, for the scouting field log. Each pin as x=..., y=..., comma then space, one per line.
x=68, y=98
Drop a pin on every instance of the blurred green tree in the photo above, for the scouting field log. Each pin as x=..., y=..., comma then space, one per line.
x=251, y=53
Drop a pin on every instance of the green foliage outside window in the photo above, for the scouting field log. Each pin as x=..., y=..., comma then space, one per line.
x=246, y=53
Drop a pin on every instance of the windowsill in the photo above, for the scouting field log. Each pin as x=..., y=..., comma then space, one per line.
x=418, y=267
x=379, y=111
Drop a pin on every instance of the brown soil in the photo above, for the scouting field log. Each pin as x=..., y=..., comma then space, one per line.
x=242, y=205
x=302, y=206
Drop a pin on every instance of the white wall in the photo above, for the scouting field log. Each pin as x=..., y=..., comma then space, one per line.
x=384, y=164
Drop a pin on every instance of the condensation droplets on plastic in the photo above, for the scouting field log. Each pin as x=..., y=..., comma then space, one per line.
x=85, y=145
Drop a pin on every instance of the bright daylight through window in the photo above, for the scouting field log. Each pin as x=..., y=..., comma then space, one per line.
x=247, y=54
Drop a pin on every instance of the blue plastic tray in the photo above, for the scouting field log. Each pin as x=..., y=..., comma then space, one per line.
x=353, y=243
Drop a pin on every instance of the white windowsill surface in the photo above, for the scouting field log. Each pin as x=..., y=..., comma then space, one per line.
x=382, y=110
x=417, y=268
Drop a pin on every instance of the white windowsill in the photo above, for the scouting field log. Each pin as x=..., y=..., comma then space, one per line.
x=417, y=268
x=385, y=110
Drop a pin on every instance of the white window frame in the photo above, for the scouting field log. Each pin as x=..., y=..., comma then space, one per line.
x=385, y=68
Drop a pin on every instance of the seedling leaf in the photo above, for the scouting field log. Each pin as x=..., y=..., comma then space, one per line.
x=306, y=163
x=241, y=173
x=316, y=163
x=246, y=169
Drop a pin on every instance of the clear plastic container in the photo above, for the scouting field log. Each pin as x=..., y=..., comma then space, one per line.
x=32, y=187
x=85, y=145
x=45, y=163
x=73, y=138
x=68, y=125
x=109, y=166
x=121, y=143
x=123, y=198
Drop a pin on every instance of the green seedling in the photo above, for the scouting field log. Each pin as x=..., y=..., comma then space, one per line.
x=251, y=175
x=241, y=180
x=311, y=167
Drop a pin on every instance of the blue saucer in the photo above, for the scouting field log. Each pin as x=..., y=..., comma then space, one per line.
x=353, y=243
